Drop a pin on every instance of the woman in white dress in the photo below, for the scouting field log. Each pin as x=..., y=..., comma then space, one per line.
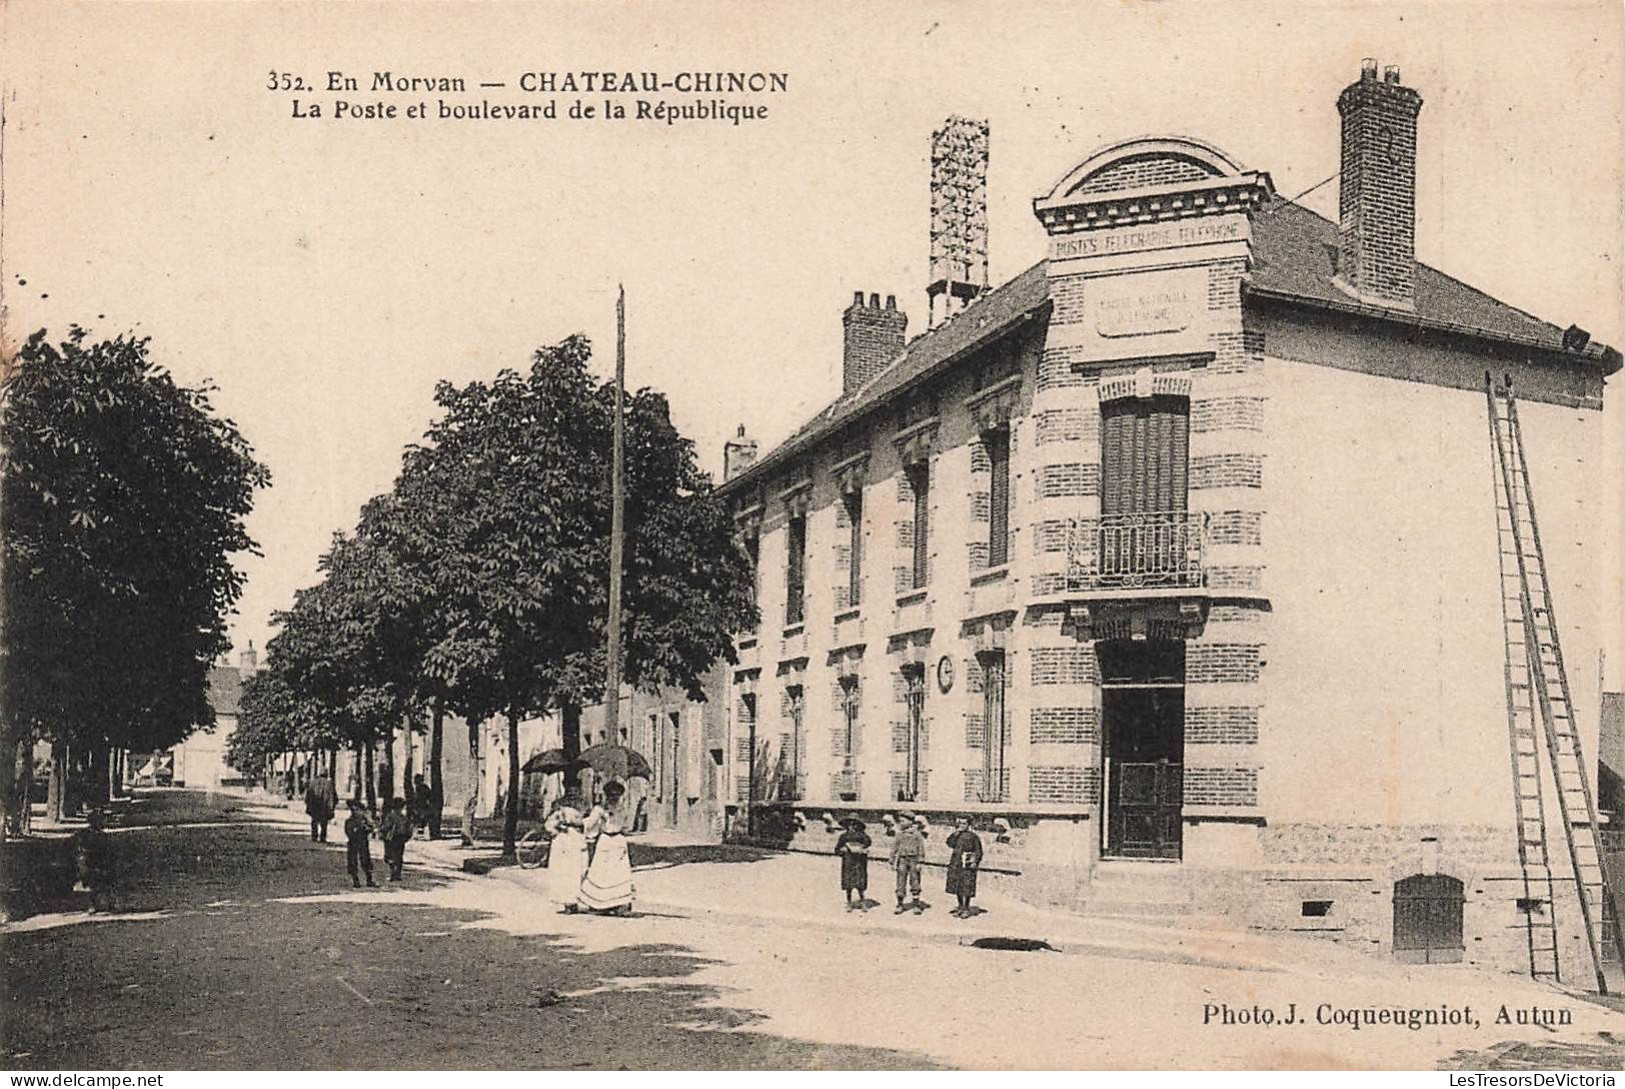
x=567, y=858
x=606, y=887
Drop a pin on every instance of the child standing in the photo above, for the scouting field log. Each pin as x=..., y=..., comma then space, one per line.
x=907, y=854
x=853, y=847
x=395, y=829
x=93, y=853
x=358, y=852
x=963, y=864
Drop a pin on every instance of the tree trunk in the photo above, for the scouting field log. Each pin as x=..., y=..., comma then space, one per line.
x=406, y=763
x=55, y=801
x=386, y=764
x=571, y=724
x=372, y=783
x=115, y=774
x=510, y=819
x=98, y=760
x=358, y=764
x=20, y=816
x=437, y=793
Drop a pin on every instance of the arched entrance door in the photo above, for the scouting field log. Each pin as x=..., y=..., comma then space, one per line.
x=1427, y=919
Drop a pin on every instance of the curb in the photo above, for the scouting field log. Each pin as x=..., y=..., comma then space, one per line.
x=1095, y=947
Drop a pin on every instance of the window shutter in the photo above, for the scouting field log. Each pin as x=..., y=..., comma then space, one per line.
x=998, y=533
x=922, y=525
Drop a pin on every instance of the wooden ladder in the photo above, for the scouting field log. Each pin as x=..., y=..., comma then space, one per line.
x=1540, y=705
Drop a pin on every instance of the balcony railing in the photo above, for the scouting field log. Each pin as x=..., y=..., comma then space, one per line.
x=1143, y=550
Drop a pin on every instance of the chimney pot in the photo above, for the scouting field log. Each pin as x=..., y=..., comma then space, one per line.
x=1368, y=68
x=874, y=301
x=1391, y=74
x=857, y=298
x=891, y=302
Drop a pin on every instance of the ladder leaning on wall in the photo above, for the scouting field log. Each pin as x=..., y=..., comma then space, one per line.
x=1540, y=708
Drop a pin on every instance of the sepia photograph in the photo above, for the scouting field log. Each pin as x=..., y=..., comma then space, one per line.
x=913, y=536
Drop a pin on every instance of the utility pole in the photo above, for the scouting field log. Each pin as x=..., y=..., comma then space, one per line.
x=612, y=682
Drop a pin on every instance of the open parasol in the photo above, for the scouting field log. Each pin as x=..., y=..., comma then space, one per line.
x=547, y=762
x=615, y=762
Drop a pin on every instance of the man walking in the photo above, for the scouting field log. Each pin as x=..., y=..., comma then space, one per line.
x=358, y=855
x=907, y=852
x=321, y=802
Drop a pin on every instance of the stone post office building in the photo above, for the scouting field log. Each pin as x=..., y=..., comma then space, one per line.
x=1174, y=559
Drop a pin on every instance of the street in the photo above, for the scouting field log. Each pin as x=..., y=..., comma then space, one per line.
x=240, y=944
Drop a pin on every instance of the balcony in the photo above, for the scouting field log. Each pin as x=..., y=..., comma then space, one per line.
x=1146, y=550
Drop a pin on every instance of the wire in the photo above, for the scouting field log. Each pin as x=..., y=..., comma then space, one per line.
x=1305, y=193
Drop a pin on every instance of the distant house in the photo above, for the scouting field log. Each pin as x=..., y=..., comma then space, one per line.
x=200, y=760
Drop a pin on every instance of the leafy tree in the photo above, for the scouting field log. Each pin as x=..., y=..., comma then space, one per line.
x=504, y=511
x=123, y=502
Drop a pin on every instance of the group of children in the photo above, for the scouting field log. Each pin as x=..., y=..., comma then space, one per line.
x=907, y=858
x=395, y=827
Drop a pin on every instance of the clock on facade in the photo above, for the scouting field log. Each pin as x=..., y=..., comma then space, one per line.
x=945, y=673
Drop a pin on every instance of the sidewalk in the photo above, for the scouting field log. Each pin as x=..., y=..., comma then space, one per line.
x=751, y=886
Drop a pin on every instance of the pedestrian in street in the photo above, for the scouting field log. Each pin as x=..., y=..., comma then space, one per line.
x=358, y=851
x=470, y=806
x=907, y=854
x=606, y=888
x=963, y=863
x=853, y=847
x=567, y=855
x=321, y=802
x=395, y=829
x=422, y=803
x=93, y=856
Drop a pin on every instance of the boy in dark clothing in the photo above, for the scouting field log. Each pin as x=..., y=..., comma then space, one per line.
x=358, y=854
x=853, y=847
x=93, y=854
x=395, y=829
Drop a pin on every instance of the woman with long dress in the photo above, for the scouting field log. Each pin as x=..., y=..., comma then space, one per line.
x=606, y=888
x=567, y=857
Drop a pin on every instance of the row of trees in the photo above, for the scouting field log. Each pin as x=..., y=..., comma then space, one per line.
x=479, y=585
x=122, y=501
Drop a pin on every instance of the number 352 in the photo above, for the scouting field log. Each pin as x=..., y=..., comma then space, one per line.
x=285, y=81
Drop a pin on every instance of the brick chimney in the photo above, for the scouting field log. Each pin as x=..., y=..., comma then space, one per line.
x=875, y=335
x=1377, y=200
x=248, y=662
x=738, y=454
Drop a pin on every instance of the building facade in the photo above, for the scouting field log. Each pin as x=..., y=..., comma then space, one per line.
x=1174, y=560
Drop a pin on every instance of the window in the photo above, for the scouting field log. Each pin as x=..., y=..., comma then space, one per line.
x=919, y=478
x=1144, y=454
x=913, y=730
x=795, y=571
x=996, y=775
x=850, y=707
x=753, y=552
x=747, y=716
x=792, y=745
x=997, y=444
x=854, y=573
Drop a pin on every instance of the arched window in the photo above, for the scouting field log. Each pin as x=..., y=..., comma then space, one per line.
x=1427, y=919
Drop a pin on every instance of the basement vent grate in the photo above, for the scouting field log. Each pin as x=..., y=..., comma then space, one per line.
x=1316, y=909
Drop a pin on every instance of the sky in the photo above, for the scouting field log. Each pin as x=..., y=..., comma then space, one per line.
x=326, y=273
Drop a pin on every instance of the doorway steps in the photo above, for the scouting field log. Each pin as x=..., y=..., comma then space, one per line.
x=1145, y=891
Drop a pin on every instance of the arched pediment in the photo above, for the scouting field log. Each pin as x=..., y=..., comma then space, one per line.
x=1145, y=162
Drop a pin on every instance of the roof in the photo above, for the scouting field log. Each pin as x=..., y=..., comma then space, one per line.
x=987, y=317
x=1293, y=250
x=225, y=689
x=1293, y=254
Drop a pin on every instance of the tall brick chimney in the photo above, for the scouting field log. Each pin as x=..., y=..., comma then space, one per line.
x=1377, y=200
x=875, y=335
x=738, y=454
x=248, y=662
